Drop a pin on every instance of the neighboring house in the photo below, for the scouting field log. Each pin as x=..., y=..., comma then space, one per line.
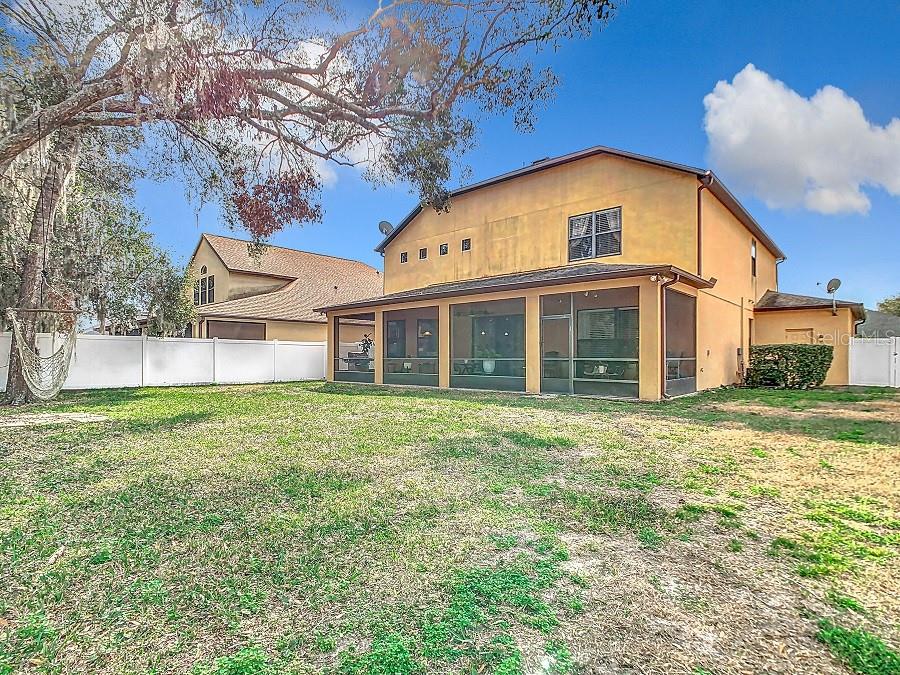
x=271, y=295
x=879, y=325
x=600, y=272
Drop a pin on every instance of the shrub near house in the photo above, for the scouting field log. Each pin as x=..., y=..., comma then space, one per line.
x=789, y=366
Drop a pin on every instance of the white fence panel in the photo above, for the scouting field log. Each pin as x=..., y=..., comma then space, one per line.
x=244, y=361
x=178, y=361
x=5, y=340
x=104, y=361
x=299, y=361
x=101, y=362
x=875, y=362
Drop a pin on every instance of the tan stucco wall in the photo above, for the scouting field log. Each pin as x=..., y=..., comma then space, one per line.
x=206, y=256
x=726, y=254
x=770, y=328
x=724, y=311
x=522, y=224
x=649, y=330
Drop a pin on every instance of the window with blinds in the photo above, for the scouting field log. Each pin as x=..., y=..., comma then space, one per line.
x=594, y=235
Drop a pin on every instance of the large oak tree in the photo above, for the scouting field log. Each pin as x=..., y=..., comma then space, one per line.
x=249, y=98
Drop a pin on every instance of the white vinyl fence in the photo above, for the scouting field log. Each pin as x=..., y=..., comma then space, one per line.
x=103, y=361
x=875, y=362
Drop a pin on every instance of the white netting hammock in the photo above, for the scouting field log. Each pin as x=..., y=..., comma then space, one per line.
x=45, y=375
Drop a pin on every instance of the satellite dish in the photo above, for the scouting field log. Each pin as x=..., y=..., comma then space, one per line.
x=833, y=285
x=385, y=227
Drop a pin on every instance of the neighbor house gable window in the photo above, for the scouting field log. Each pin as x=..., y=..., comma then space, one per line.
x=404, y=257
x=205, y=288
x=423, y=253
x=467, y=244
x=445, y=249
x=596, y=234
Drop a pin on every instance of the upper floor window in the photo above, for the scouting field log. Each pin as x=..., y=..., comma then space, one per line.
x=467, y=244
x=444, y=249
x=423, y=253
x=205, y=289
x=753, y=257
x=594, y=235
x=404, y=257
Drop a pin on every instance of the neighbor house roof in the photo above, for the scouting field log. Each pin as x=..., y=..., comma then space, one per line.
x=774, y=301
x=715, y=186
x=547, y=277
x=312, y=279
x=879, y=325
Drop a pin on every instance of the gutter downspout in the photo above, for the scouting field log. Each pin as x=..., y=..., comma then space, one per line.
x=705, y=181
x=662, y=332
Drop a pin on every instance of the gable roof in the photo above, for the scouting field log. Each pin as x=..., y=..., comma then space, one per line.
x=879, y=325
x=773, y=301
x=715, y=186
x=278, y=261
x=569, y=274
x=314, y=279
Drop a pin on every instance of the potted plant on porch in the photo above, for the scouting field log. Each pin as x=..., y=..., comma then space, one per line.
x=488, y=362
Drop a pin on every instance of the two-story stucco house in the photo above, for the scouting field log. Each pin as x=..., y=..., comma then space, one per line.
x=599, y=272
x=272, y=295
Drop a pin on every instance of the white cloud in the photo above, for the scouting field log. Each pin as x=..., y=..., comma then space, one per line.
x=818, y=152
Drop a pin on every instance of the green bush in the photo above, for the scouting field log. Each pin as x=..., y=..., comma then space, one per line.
x=789, y=366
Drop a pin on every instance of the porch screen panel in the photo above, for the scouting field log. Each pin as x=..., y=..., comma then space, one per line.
x=607, y=335
x=354, y=348
x=681, y=343
x=411, y=339
x=487, y=345
x=556, y=343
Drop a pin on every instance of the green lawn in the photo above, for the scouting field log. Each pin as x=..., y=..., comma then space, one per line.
x=349, y=529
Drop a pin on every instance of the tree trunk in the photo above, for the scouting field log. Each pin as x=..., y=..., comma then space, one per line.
x=62, y=161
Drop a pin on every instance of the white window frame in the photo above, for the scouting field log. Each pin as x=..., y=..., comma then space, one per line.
x=593, y=234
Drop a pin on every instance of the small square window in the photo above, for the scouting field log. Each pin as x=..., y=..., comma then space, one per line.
x=445, y=249
x=466, y=244
x=423, y=253
x=404, y=257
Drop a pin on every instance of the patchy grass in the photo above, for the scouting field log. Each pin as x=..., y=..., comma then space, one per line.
x=266, y=530
x=860, y=650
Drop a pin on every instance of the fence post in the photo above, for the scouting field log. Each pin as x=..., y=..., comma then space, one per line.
x=215, y=358
x=274, y=360
x=144, y=361
x=895, y=362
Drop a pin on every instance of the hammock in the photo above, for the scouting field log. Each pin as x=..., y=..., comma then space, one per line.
x=45, y=375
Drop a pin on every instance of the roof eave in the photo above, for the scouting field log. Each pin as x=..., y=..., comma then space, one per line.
x=683, y=277
x=856, y=307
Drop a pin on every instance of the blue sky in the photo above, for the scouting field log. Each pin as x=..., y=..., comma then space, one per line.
x=639, y=85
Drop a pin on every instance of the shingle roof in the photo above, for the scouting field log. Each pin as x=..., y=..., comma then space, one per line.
x=280, y=261
x=316, y=279
x=879, y=324
x=773, y=300
x=715, y=186
x=547, y=277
